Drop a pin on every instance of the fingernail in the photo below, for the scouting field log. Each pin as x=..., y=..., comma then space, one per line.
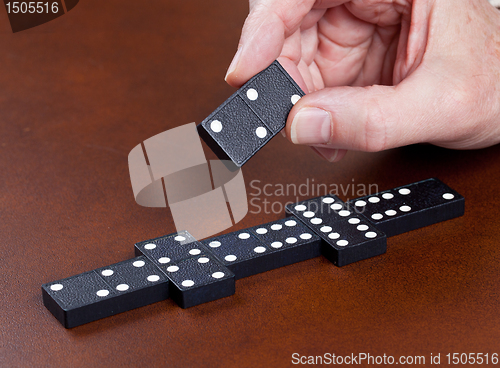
x=283, y=133
x=234, y=63
x=311, y=126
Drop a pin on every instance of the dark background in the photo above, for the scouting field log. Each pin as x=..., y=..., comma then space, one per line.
x=79, y=92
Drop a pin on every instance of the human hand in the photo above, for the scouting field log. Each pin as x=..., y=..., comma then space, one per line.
x=380, y=74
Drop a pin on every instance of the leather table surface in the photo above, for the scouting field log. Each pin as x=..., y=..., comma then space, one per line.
x=78, y=93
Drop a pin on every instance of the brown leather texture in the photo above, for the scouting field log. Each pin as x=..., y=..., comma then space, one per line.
x=79, y=92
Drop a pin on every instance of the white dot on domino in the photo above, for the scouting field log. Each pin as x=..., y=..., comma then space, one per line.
x=377, y=216
x=405, y=208
x=216, y=126
x=138, y=263
x=122, y=287
x=295, y=99
x=371, y=234
x=180, y=238
x=300, y=207
x=194, y=252
x=316, y=221
x=261, y=231
x=328, y=200
x=259, y=249
x=390, y=213
x=362, y=227
x=56, y=287
x=214, y=244
x=102, y=293
x=276, y=244
x=374, y=199
x=188, y=283
x=172, y=269
x=404, y=191
x=360, y=203
x=334, y=235
x=261, y=132
x=291, y=240
x=150, y=246
x=342, y=243
x=107, y=272
x=354, y=221
x=325, y=229
x=290, y=223
x=218, y=275
x=252, y=94
x=276, y=227
x=305, y=236
x=388, y=196
x=163, y=260
x=230, y=258
x=203, y=260
x=448, y=196
x=153, y=278
x=336, y=206
x=244, y=236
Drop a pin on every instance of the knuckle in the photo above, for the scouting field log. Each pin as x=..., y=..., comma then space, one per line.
x=375, y=129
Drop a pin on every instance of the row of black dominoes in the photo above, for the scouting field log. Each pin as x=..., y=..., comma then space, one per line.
x=192, y=272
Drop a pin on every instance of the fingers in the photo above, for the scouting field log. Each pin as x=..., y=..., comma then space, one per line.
x=368, y=118
x=263, y=36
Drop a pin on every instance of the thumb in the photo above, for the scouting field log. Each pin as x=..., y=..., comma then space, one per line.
x=371, y=118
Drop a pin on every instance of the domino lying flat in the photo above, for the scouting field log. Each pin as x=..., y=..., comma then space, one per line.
x=106, y=291
x=347, y=236
x=193, y=272
x=196, y=276
x=266, y=247
x=411, y=206
x=254, y=114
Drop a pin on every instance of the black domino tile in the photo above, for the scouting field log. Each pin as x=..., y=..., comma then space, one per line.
x=238, y=137
x=87, y=297
x=270, y=95
x=410, y=207
x=198, y=280
x=292, y=241
x=242, y=252
x=143, y=280
x=254, y=114
x=347, y=237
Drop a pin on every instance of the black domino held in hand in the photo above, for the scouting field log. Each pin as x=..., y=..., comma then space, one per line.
x=347, y=236
x=254, y=114
x=410, y=207
x=105, y=292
